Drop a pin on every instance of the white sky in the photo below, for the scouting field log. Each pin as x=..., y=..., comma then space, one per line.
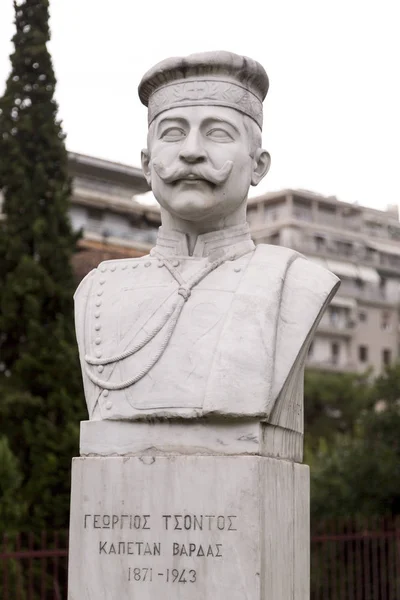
x=332, y=121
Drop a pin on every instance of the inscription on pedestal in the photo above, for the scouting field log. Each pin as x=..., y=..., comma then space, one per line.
x=182, y=528
x=134, y=535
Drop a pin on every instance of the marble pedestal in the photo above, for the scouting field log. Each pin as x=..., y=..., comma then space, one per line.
x=189, y=527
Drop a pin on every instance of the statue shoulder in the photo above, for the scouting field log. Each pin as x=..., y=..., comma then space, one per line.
x=311, y=278
x=119, y=263
x=104, y=268
x=85, y=285
x=306, y=292
x=267, y=251
x=268, y=256
x=299, y=270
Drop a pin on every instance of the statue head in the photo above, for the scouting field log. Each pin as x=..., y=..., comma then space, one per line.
x=204, y=140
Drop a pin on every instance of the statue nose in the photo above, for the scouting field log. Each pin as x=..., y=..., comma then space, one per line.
x=192, y=150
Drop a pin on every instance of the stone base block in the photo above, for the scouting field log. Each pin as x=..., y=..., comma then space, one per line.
x=200, y=436
x=189, y=528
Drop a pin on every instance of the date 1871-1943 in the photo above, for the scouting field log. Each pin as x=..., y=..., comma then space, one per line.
x=168, y=575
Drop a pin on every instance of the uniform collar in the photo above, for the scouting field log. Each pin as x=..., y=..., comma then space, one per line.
x=174, y=243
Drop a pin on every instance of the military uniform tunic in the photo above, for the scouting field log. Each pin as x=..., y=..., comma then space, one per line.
x=179, y=335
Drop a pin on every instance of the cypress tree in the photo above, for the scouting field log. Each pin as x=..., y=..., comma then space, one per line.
x=40, y=387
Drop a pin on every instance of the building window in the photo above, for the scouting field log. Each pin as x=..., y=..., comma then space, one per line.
x=394, y=261
x=362, y=316
x=344, y=248
x=94, y=221
x=95, y=214
x=363, y=353
x=386, y=356
x=327, y=214
x=319, y=243
x=359, y=283
x=334, y=316
x=271, y=212
x=335, y=352
x=382, y=286
x=275, y=239
x=302, y=210
x=394, y=232
x=385, y=321
x=375, y=228
x=252, y=215
x=370, y=253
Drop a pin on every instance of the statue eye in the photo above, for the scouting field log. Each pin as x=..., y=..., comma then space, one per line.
x=219, y=135
x=173, y=134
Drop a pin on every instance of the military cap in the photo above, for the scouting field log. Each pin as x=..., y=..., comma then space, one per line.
x=208, y=78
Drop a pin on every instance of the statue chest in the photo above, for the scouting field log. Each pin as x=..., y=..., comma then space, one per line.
x=128, y=305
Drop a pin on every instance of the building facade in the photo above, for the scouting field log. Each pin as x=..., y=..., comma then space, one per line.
x=105, y=207
x=360, y=329
x=361, y=245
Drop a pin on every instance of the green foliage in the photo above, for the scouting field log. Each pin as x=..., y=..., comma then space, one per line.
x=387, y=387
x=40, y=387
x=358, y=472
x=333, y=403
x=11, y=505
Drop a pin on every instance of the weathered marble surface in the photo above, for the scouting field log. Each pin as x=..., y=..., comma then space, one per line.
x=237, y=341
x=193, y=527
x=200, y=437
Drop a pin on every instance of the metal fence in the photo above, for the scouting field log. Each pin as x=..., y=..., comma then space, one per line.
x=351, y=559
x=356, y=559
x=34, y=567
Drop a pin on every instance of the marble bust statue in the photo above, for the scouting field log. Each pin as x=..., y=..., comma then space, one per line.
x=207, y=323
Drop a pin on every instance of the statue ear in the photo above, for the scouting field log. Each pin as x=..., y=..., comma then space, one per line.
x=261, y=165
x=145, y=157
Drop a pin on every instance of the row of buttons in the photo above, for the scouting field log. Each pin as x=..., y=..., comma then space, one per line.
x=160, y=263
x=108, y=404
x=97, y=326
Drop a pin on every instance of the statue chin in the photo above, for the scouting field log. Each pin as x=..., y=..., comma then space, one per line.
x=201, y=203
x=196, y=209
x=191, y=204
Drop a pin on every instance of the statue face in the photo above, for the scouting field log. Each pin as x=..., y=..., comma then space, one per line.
x=198, y=162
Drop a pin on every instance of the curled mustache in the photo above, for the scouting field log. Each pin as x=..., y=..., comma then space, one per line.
x=176, y=172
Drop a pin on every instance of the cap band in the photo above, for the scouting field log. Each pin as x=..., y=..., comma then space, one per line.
x=200, y=92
